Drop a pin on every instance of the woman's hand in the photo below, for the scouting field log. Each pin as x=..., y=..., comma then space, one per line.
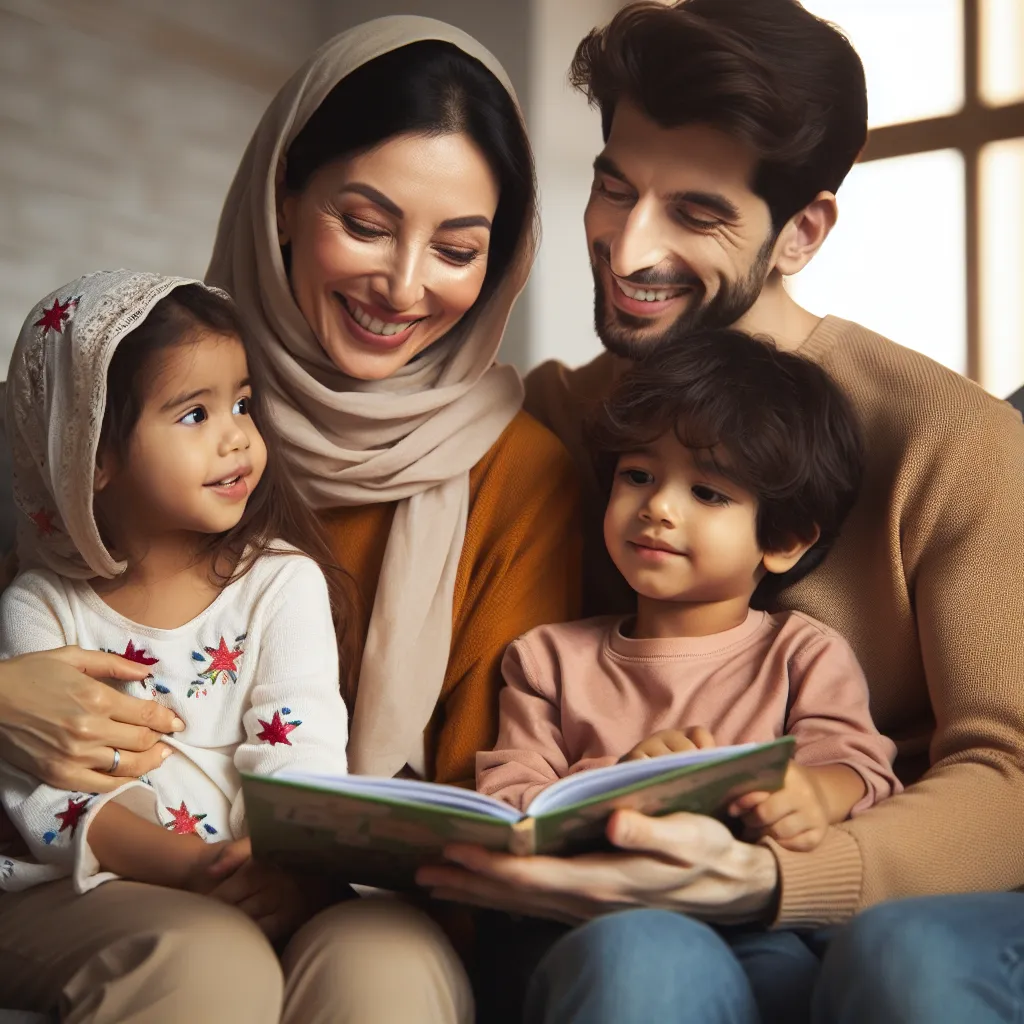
x=683, y=862
x=60, y=724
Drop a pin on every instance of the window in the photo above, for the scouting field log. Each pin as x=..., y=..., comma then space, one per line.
x=930, y=244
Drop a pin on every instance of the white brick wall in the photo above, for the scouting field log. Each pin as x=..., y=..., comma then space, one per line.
x=121, y=123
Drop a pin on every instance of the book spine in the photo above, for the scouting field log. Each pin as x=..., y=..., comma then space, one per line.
x=523, y=841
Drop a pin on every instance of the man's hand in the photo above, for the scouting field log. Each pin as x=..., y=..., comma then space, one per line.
x=683, y=862
x=271, y=897
x=798, y=815
x=60, y=724
x=671, y=741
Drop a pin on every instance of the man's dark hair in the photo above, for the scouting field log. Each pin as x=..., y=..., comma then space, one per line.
x=765, y=72
x=770, y=421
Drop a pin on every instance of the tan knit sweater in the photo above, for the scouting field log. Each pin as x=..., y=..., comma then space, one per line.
x=927, y=584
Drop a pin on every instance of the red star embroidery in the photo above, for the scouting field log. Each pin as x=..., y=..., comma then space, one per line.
x=222, y=660
x=185, y=821
x=53, y=319
x=138, y=655
x=69, y=817
x=276, y=731
x=44, y=522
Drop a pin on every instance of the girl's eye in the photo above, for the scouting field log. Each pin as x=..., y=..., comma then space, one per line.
x=360, y=228
x=242, y=407
x=460, y=257
x=709, y=496
x=193, y=417
x=637, y=477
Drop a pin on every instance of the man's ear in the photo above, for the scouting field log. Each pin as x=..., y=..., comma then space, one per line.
x=805, y=233
x=284, y=203
x=783, y=559
x=106, y=467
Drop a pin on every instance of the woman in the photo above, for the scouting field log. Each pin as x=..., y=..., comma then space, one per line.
x=377, y=233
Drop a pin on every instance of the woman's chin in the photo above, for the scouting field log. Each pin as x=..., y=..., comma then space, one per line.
x=363, y=362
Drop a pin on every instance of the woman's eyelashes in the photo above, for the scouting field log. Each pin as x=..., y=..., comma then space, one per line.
x=362, y=228
x=461, y=256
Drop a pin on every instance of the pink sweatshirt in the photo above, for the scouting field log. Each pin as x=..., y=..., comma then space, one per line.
x=579, y=695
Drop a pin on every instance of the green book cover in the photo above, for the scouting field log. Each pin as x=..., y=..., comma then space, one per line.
x=376, y=831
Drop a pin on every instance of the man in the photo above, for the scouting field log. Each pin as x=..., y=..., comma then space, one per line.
x=729, y=126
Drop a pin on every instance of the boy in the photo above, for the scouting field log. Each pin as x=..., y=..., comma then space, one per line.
x=731, y=466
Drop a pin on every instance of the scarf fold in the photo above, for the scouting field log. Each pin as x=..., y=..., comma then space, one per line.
x=411, y=439
x=54, y=401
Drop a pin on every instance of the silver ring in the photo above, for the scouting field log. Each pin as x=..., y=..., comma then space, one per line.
x=116, y=762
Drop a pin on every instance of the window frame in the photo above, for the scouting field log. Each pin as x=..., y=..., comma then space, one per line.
x=968, y=130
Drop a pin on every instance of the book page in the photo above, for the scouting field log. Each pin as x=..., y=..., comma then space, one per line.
x=575, y=789
x=413, y=791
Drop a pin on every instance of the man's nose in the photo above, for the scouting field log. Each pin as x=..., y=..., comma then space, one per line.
x=641, y=243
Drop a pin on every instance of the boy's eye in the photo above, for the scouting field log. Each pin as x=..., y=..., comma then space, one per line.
x=637, y=477
x=708, y=495
x=243, y=407
x=193, y=417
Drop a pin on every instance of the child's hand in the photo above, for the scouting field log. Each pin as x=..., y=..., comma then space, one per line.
x=796, y=817
x=271, y=897
x=671, y=741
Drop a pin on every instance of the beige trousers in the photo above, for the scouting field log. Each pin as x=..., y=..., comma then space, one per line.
x=128, y=953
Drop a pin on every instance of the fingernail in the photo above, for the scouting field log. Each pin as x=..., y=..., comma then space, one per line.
x=177, y=725
x=166, y=753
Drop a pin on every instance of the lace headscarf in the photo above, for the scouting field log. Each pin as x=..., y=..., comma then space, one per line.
x=55, y=397
x=410, y=439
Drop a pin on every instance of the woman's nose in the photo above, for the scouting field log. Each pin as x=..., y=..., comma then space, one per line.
x=402, y=284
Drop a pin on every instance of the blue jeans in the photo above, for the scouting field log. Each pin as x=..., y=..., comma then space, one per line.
x=655, y=965
x=937, y=960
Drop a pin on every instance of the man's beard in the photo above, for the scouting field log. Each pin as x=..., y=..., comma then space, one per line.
x=630, y=337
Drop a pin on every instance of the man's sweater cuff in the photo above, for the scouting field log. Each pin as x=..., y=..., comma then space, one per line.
x=819, y=888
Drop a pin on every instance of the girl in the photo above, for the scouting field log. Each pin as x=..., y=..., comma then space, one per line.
x=158, y=524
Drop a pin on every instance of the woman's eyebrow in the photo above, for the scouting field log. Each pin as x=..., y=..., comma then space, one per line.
x=390, y=206
x=375, y=196
x=466, y=222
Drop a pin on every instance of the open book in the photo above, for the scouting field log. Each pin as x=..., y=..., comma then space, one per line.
x=378, y=831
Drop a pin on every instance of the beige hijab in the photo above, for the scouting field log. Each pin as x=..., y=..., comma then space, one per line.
x=412, y=438
x=55, y=397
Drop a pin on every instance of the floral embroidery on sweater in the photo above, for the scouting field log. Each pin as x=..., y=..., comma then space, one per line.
x=220, y=662
x=276, y=730
x=69, y=818
x=184, y=822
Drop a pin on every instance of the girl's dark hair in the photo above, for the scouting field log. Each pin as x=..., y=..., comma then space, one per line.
x=772, y=422
x=427, y=88
x=766, y=72
x=274, y=510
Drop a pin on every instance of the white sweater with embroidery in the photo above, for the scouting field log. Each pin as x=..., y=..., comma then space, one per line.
x=254, y=677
